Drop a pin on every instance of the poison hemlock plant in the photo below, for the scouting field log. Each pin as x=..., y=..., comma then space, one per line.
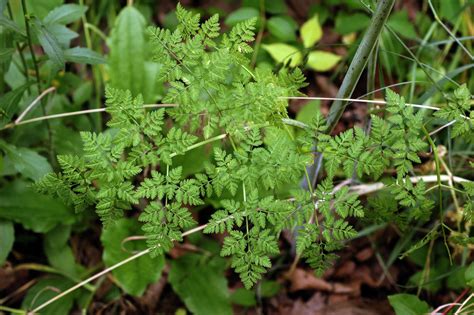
x=221, y=98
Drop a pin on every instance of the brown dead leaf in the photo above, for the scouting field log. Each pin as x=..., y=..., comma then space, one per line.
x=345, y=270
x=365, y=254
x=306, y=280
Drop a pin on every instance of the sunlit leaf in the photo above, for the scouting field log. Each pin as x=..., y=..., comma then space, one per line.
x=311, y=31
x=283, y=53
x=322, y=60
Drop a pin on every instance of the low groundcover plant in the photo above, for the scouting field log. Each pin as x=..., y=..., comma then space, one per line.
x=259, y=156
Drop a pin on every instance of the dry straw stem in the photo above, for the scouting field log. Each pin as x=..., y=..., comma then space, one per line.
x=105, y=271
x=80, y=112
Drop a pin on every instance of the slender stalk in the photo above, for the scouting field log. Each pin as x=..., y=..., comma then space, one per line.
x=20, y=50
x=38, y=79
x=379, y=102
x=30, y=107
x=80, y=112
x=105, y=271
x=440, y=192
x=371, y=71
x=82, y=283
x=95, y=74
x=258, y=40
x=359, y=62
x=199, y=144
x=449, y=31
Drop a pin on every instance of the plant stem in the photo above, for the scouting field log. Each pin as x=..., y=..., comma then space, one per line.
x=76, y=113
x=440, y=192
x=105, y=271
x=199, y=144
x=359, y=62
x=449, y=31
x=95, y=74
x=258, y=40
x=20, y=51
x=38, y=79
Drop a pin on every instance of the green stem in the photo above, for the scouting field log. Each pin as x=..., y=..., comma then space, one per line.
x=440, y=190
x=199, y=144
x=371, y=72
x=95, y=73
x=38, y=79
x=359, y=62
x=11, y=310
x=258, y=40
x=20, y=51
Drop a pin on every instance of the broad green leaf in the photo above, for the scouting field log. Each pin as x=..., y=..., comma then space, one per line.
x=201, y=285
x=275, y=6
x=63, y=34
x=9, y=104
x=50, y=44
x=83, y=55
x=7, y=237
x=311, y=32
x=57, y=250
x=349, y=23
x=449, y=10
x=36, y=212
x=401, y=24
x=6, y=53
x=135, y=276
x=46, y=289
x=41, y=8
x=243, y=297
x=65, y=14
x=408, y=304
x=26, y=161
x=128, y=54
x=281, y=28
x=10, y=25
x=282, y=53
x=322, y=60
x=240, y=15
x=469, y=275
x=456, y=280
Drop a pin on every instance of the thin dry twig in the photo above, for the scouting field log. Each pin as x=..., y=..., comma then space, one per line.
x=35, y=101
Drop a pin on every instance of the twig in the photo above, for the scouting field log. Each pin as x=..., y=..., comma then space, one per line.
x=355, y=100
x=105, y=271
x=36, y=100
x=378, y=102
x=365, y=189
x=38, y=79
x=442, y=127
x=449, y=31
x=369, y=41
x=463, y=304
x=80, y=112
